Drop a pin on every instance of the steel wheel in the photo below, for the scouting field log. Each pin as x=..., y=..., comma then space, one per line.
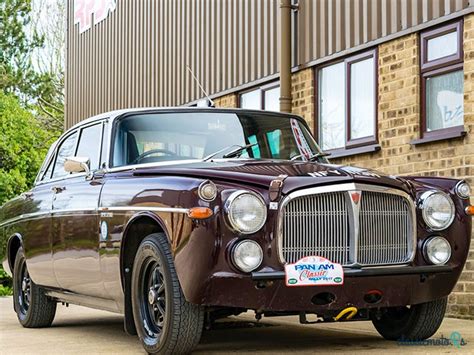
x=153, y=298
x=24, y=290
x=165, y=322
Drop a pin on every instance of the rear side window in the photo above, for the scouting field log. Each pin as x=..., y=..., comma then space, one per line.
x=66, y=149
x=90, y=144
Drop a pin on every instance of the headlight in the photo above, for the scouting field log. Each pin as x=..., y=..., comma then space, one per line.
x=462, y=189
x=437, y=250
x=247, y=255
x=246, y=212
x=438, y=209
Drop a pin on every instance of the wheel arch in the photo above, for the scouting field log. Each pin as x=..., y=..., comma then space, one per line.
x=15, y=241
x=138, y=227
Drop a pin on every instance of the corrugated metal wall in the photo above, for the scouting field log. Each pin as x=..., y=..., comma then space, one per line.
x=329, y=26
x=138, y=55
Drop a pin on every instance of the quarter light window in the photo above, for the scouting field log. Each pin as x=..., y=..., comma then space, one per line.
x=442, y=81
x=66, y=149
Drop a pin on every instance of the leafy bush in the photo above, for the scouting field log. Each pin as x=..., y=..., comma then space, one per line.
x=5, y=283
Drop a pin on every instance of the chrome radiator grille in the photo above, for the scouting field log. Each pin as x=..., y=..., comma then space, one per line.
x=385, y=229
x=374, y=228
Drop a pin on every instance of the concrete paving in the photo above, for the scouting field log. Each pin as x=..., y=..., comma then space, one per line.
x=78, y=330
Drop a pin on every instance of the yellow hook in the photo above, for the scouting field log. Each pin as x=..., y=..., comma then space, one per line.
x=352, y=310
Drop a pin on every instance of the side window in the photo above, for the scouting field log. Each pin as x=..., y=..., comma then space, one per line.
x=90, y=144
x=66, y=149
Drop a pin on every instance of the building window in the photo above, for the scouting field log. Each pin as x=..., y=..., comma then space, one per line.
x=347, y=105
x=442, y=82
x=263, y=98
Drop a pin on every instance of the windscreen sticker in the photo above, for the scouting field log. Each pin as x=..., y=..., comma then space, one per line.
x=314, y=271
x=303, y=145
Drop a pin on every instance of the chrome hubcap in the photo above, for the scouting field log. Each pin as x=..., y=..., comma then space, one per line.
x=151, y=296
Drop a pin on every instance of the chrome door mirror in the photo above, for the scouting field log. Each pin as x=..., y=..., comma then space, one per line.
x=77, y=165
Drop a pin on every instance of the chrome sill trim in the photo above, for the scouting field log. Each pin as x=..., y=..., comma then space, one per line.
x=346, y=188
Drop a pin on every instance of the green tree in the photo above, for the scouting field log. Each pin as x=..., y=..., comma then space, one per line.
x=16, y=46
x=31, y=58
x=23, y=146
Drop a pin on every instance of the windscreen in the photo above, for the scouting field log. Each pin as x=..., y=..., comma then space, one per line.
x=161, y=137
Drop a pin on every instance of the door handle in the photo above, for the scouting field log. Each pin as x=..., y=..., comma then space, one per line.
x=58, y=189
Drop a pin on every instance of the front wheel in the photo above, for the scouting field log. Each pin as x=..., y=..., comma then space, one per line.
x=166, y=323
x=417, y=322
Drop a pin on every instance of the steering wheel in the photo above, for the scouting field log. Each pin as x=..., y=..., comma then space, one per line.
x=151, y=152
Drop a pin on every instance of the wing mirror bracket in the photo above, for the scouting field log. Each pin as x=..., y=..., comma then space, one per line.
x=78, y=165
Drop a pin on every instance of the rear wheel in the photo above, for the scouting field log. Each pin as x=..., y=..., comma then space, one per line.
x=166, y=323
x=33, y=308
x=416, y=322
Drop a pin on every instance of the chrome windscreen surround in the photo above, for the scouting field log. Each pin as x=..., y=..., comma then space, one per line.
x=355, y=224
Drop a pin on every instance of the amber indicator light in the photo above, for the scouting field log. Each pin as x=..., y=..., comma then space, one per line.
x=470, y=210
x=199, y=212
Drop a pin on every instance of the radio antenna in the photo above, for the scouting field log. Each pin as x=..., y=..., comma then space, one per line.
x=200, y=86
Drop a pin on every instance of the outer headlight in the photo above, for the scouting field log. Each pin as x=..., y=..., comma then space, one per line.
x=462, y=189
x=246, y=212
x=437, y=250
x=247, y=255
x=438, y=209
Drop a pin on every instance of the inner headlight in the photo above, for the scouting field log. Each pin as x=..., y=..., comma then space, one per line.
x=246, y=212
x=247, y=255
x=438, y=209
x=437, y=250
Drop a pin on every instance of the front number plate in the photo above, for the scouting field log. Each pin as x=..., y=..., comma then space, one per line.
x=314, y=271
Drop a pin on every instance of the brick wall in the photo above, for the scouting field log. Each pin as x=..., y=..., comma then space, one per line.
x=399, y=123
x=229, y=101
x=302, y=95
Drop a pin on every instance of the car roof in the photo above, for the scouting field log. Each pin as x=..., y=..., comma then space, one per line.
x=116, y=113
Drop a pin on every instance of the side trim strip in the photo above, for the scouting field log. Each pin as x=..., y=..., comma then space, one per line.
x=100, y=209
x=145, y=208
x=23, y=216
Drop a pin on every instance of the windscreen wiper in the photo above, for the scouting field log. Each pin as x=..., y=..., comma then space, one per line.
x=237, y=152
x=311, y=158
x=232, y=153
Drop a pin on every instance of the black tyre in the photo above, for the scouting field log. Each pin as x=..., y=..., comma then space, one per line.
x=166, y=323
x=33, y=308
x=417, y=322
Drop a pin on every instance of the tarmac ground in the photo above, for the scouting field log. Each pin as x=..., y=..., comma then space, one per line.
x=79, y=330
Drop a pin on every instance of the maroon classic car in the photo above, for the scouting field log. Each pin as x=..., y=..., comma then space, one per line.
x=177, y=217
